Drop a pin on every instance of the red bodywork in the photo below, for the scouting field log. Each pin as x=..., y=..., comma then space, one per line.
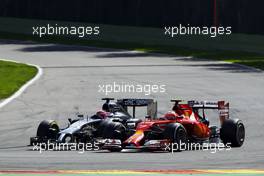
x=185, y=115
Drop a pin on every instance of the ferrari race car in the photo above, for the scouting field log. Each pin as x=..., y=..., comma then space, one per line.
x=185, y=124
x=106, y=123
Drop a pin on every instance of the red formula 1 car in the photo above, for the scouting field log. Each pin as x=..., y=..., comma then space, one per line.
x=185, y=124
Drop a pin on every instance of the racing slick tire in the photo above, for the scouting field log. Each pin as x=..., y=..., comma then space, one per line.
x=114, y=149
x=48, y=129
x=177, y=134
x=114, y=130
x=233, y=132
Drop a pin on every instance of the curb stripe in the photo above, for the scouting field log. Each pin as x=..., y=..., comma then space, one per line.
x=136, y=172
x=239, y=171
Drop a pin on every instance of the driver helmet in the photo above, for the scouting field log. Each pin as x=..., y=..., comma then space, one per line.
x=102, y=114
x=110, y=107
x=171, y=115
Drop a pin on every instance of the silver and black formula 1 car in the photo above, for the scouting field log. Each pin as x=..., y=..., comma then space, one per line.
x=106, y=123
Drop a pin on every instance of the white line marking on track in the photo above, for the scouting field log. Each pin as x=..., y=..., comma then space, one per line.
x=24, y=87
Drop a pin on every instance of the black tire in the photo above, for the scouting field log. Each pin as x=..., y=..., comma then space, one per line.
x=48, y=129
x=177, y=134
x=114, y=130
x=115, y=149
x=233, y=132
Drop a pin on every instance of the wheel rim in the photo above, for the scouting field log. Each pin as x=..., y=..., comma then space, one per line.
x=55, y=127
x=240, y=133
x=181, y=136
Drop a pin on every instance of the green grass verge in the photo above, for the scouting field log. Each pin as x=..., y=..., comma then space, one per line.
x=252, y=59
x=13, y=76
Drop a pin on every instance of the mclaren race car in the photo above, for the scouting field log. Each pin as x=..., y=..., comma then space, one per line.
x=185, y=124
x=106, y=123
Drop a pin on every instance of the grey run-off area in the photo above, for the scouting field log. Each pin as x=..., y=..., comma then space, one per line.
x=70, y=84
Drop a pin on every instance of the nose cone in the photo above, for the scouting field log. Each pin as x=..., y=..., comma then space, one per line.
x=135, y=139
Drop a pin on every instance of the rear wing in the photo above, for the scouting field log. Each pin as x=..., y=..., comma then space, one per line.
x=221, y=106
x=208, y=104
x=133, y=102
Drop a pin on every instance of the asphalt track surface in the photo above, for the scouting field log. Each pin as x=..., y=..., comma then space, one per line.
x=70, y=84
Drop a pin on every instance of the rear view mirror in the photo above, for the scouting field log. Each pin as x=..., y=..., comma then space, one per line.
x=80, y=116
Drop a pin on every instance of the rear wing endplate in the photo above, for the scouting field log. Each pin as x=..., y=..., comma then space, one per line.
x=221, y=106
